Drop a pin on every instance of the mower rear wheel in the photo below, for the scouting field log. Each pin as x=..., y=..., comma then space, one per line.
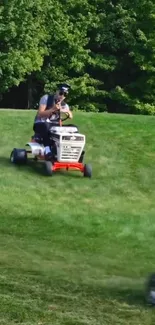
x=87, y=171
x=18, y=156
x=48, y=168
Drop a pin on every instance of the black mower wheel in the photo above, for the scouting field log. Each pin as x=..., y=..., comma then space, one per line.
x=82, y=157
x=48, y=168
x=18, y=156
x=87, y=171
x=150, y=290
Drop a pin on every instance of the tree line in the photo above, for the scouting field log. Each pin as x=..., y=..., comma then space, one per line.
x=104, y=49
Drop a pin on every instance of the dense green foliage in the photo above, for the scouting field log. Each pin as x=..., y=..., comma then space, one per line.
x=105, y=49
x=22, y=31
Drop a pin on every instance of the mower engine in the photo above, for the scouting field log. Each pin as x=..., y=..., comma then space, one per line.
x=69, y=143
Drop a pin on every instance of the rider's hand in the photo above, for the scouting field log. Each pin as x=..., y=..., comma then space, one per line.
x=57, y=106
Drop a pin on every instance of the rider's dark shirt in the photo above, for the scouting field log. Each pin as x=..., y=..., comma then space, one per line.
x=49, y=101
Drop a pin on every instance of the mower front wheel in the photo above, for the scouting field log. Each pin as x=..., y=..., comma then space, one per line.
x=18, y=156
x=87, y=171
x=82, y=157
x=48, y=168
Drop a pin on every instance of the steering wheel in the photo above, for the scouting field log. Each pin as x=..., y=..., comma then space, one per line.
x=64, y=116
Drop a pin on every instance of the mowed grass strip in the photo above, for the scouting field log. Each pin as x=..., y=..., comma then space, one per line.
x=76, y=251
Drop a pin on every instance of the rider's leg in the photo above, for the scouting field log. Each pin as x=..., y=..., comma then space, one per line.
x=42, y=128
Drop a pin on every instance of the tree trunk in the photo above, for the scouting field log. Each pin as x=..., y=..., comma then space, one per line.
x=30, y=93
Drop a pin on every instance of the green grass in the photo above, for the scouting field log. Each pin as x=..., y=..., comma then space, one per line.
x=76, y=251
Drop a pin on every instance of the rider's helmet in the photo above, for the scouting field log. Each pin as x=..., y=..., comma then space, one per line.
x=64, y=89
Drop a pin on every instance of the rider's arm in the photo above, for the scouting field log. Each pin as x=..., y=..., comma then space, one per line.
x=70, y=114
x=42, y=112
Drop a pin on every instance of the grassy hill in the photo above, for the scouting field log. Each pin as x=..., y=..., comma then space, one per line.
x=76, y=251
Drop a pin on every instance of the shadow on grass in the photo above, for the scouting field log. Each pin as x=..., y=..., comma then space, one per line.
x=130, y=296
x=5, y=162
x=36, y=168
x=108, y=294
x=93, y=294
x=65, y=173
x=31, y=166
x=112, y=295
x=39, y=168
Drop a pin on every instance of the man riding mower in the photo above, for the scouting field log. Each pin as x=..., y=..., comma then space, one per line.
x=59, y=146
